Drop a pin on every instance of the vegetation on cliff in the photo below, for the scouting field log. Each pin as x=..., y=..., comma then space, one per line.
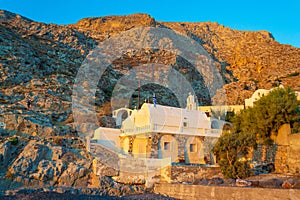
x=255, y=125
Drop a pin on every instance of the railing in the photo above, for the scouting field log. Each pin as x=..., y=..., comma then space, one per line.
x=138, y=130
x=173, y=130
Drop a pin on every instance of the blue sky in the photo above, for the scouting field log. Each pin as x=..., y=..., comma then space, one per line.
x=281, y=18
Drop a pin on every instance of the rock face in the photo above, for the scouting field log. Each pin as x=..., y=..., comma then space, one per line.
x=40, y=61
x=9, y=151
x=252, y=59
x=104, y=27
x=42, y=164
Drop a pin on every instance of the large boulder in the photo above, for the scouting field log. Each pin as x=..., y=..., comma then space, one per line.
x=49, y=170
x=28, y=160
x=74, y=175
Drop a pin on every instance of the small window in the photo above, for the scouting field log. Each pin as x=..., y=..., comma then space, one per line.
x=166, y=145
x=193, y=148
x=207, y=114
x=185, y=124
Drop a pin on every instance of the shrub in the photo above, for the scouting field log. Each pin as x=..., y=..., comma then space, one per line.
x=231, y=149
x=255, y=125
x=14, y=140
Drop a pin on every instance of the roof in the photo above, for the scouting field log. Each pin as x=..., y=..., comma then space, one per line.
x=172, y=116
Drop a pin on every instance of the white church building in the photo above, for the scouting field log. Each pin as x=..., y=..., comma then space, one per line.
x=156, y=131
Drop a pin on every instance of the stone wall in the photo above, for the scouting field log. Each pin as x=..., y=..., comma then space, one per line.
x=181, y=139
x=284, y=153
x=287, y=158
x=154, y=145
x=201, y=151
x=180, y=148
x=144, y=171
x=181, y=174
x=264, y=154
x=191, y=192
x=149, y=171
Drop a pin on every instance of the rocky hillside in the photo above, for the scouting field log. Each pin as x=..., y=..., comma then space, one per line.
x=55, y=164
x=40, y=61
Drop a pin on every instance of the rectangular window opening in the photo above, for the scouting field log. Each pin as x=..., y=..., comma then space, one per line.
x=193, y=148
x=166, y=145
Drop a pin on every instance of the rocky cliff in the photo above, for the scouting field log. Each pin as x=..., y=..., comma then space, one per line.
x=40, y=61
x=56, y=164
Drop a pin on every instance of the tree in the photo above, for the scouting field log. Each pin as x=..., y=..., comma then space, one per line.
x=252, y=126
x=233, y=147
x=279, y=107
x=231, y=150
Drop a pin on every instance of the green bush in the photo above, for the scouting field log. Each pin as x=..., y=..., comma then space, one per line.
x=14, y=140
x=231, y=149
x=239, y=169
x=255, y=125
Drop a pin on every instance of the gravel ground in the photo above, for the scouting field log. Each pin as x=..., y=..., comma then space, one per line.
x=54, y=196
